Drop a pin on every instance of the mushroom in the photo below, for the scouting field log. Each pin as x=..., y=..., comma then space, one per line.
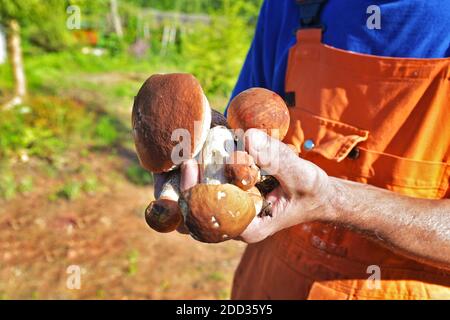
x=163, y=105
x=262, y=109
x=171, y=106
x=163, y=214
x=242, y=171
x=216, y=210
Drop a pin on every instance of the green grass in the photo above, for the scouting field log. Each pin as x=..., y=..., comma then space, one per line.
x=133, y=258
x=8, y=185
x=91, y=185
x=106, y=132
x=137, y=175
x=216, y=276
x=25, y=185
x=70, y=190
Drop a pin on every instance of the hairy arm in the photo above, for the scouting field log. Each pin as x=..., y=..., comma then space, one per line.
x=416, y=228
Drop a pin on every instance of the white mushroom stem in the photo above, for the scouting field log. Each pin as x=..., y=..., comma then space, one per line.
x=170, y=189
x=214, y=145
x=218, y=146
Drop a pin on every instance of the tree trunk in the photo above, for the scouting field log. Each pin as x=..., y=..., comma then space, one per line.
x=116, y=18
x=20, y=89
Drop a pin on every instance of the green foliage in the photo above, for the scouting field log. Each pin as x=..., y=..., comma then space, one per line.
x=215, y=53
x=90, y=185
x=112, y=43
x=70, y=190
x=73, y=188
x=18, y=10
x=7, y=185
x=51, y=34
x=43, y=22
x=25, y=185
x=10, y=185
x=216, y=276
x=42, y=127
x=137, y=175
x=106, y=132
x=191, y=6
x=133, y=258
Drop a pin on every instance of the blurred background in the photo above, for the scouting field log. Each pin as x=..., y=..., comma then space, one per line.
x=72, y=194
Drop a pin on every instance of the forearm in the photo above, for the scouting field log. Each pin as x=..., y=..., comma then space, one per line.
x=417, y=228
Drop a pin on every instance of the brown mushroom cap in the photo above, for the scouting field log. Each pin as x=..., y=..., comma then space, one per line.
x=257, y=198
x=165, y=103
x=163, y=215
x=241, y=170
x=216, y=213
x=261, y=109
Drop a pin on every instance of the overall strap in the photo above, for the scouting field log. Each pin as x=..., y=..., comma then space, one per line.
x=310, y=29
x=310, y=11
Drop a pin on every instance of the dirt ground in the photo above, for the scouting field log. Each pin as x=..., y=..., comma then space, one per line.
x=106, y=236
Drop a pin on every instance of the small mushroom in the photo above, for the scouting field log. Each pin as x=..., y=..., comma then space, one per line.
x=241, y=170
x=163, y=215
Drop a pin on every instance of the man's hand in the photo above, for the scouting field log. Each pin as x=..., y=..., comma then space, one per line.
x=303, y=193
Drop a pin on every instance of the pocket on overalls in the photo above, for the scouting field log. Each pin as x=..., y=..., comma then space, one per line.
x=341, y=150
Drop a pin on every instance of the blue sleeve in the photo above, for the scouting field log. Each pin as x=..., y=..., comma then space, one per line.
x=252, y=73
x=265, y=65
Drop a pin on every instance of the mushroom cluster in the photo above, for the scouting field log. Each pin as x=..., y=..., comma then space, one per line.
x=172, y=121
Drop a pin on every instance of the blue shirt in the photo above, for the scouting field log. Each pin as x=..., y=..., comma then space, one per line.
x=409, y=28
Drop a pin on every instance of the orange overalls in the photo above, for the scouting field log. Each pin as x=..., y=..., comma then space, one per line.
x=377, y=120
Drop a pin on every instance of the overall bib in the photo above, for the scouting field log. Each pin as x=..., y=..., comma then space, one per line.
x=377, y=120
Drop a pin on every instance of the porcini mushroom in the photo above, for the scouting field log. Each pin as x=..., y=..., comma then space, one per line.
x=164, y=215
x=164, y=104
x=241, y=170
x=216, y=212
x=259, y=108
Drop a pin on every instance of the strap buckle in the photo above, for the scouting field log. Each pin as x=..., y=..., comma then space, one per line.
x=310, y=13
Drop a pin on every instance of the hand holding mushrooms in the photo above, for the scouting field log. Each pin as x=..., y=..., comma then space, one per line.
x=173, y=122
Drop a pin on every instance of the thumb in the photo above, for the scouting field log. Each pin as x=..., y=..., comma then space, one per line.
x=189, y=174
x=278, y=160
